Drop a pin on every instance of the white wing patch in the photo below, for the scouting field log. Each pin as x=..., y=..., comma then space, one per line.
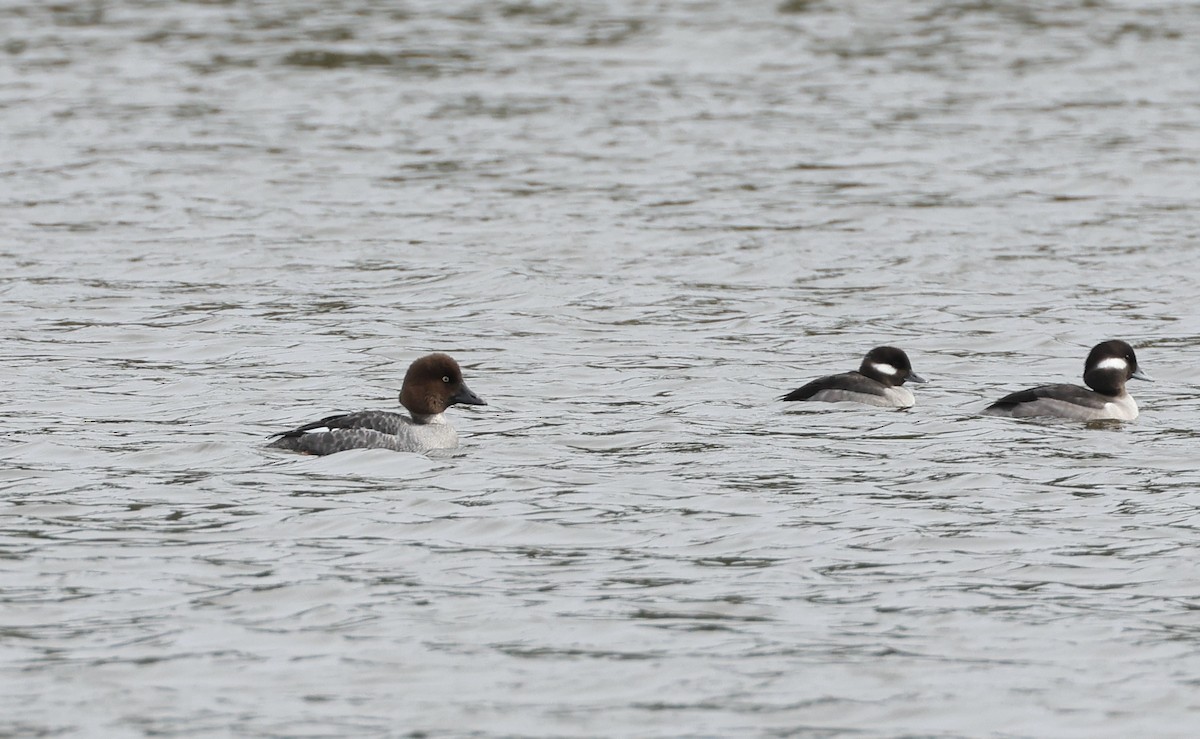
x=884, y=368
x=318, y=430
x=1113, y=363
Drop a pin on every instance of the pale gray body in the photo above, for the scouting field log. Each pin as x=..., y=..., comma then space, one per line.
x=371, y=429
x=1069, y=401
x=888, y=397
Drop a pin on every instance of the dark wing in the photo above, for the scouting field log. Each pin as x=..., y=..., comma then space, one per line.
x=1069, y=393
x=851, y=381
x=327, y=422
x=382, y=421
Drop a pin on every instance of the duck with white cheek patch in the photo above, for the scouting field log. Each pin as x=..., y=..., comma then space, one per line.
x=1109, y=365
x=879, y=381
x=432, y=384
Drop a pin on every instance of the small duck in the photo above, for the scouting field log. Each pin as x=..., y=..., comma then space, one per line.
x=432, y=384
x=879, y=381
x=1109, y=365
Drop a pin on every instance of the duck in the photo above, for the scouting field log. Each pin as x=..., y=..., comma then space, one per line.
x=879, y=380
x=432, y=384
x=1108, y=367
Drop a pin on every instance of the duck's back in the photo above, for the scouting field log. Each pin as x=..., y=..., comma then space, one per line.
x=368, y=430
x=1063, y=401
x=852, y=387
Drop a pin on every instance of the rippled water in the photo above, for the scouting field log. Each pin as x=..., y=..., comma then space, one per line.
x=635, y=225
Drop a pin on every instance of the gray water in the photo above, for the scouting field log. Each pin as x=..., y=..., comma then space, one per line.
x=635, y=225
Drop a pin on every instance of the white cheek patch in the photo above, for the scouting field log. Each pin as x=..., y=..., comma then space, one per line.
x=1113, y=363
x=318, y=430
x=884, y=368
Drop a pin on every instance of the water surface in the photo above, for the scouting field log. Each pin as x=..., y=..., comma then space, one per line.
x=635, y=226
